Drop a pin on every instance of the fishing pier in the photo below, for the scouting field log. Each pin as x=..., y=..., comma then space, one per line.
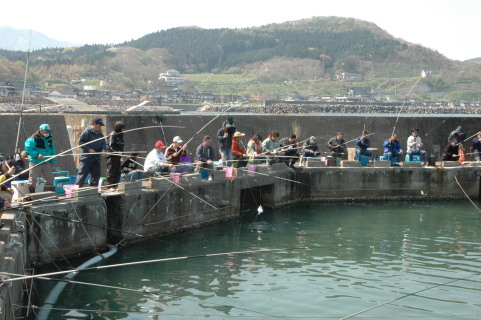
x=53, y=228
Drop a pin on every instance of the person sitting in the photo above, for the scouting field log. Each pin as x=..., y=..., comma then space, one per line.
x=254, y=149
x=476, y=147
x=451, y=151
x=174, y=152
x=7, y=171
x=289, y=150
x=271, y=145
x=156, y=163
x=21, y=165
x=362, y=145
x=204, y=154
x=414, y=145
x=129, y=168
x=393, y=150
x=238, y=151
x=310, y=148
x=337, y=146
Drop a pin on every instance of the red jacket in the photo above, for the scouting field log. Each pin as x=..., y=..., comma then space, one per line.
x=237, y=150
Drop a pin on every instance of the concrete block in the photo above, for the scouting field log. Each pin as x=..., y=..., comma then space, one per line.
x=451, y=164
x=9, y=220
x=262, y=168
x=41, y=195
x=278, y=167
x=130, y=186
x=350, y=164
x=412, y=164
x=218, y=175
x=473, y=163
x=315, y=164
x=87, y=192
x=382, y=163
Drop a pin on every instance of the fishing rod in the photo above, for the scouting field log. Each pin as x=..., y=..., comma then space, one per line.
x=405, y=296
x=150, y=261
x=209, y=123
x=404, y=102
x=84, y=144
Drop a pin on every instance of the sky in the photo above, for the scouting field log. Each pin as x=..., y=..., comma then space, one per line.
x=451, y=27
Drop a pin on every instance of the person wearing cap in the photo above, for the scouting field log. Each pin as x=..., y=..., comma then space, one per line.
x=156, y=162
x=238, y=150
x=41, y=155
x=92, y=143
x=337, y=146
x=310, y=148
x=174, y=152
x=20, y=165
x=7, y=170
x=362, y=144
x=224, y=136
x=115, y=144
x=393, y=149
x=289, y=150
x=204, y=154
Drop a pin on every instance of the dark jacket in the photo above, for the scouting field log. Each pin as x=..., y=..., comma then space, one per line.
x=459, y=134
x=362, y=145
x=312, y=147
x=476, y=144
x=98, y=146
x=337, y=146
x=449, y=151
x=226, y=143
x=116, y=142
x=204, y=153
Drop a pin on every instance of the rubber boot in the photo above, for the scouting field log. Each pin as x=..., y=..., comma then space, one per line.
x=31, y=189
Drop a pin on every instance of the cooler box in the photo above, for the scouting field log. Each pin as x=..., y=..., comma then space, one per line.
x=416, y=157
x=60, y=181
x=364, y=160
x=20, y=189
x=383, y=158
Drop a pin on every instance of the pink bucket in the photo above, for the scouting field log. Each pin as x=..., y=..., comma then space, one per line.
x=229, y=172
x=175, y=177
x=251, y=169
x=69, y=189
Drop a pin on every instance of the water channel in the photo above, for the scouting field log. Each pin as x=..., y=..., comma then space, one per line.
x=405, y=260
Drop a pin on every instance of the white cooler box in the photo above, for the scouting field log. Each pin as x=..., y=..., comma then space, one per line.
x=20, y=188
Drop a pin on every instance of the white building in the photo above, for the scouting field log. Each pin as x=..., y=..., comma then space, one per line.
x=172, y=77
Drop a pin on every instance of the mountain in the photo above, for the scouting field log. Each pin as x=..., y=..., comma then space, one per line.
x=476, y=59
x=19, y=40
x=310, y=51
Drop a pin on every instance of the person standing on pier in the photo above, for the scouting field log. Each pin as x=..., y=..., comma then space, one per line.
x=458, y=134
x=41, y=149
x=362, y=145
x=90, y=163
x=115, y=144
x=224, y=136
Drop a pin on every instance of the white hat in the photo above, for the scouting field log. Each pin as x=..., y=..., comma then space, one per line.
x=177, y=139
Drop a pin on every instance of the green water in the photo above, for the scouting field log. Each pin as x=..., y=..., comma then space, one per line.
x=349, y=258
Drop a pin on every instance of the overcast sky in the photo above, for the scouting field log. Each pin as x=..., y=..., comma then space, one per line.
x=452, y=27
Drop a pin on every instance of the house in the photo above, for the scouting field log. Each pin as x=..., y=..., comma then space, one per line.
x=172, y=77
x=64, y=93
x=7, y=89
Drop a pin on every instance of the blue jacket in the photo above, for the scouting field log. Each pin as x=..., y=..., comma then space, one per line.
x=37, y=144
x=392, y=147
x=362, y=145
x=204, y=153
x=89, y=135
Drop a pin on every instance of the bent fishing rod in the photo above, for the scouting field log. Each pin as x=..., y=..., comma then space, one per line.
x=79, y=146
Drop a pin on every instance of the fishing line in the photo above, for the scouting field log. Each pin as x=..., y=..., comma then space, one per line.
x=405, y=296
x=85, y=230
x=402, y=106
x=209, y=123
x=477, y=208
x=151, y=261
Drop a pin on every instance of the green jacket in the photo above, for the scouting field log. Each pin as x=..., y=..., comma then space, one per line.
x=36, y=145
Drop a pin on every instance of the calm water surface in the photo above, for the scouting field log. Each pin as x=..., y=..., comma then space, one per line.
x=350, y=258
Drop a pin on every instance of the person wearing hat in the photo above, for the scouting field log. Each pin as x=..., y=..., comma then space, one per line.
x=41, y=154
x=204, y=154
x=7, y=170
x=115, y=144
x=21, y=164
x=92, y=143
x=174, y=152
x=238, y=150
x=310, y=148
x=337, y=146
x=289, y=148
x=156, y=162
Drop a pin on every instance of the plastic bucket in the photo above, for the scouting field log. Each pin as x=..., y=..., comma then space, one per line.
x=20, y=189
x=175, y=177
x=204, y=173
x=416, y=157
x=69, y=189
x=251, y=169
x=383, y=158
x=364, y=160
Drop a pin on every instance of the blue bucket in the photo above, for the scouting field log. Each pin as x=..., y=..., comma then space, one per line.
x=364, y=160
x=416, y=157
x=204, y=173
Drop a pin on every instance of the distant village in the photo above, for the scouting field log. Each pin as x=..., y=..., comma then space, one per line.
x=169, y=91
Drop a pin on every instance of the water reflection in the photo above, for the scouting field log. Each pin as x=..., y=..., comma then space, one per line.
x=343, y=259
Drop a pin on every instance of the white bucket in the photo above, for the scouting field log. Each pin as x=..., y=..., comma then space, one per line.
x=20, y=189
x=40, y=184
